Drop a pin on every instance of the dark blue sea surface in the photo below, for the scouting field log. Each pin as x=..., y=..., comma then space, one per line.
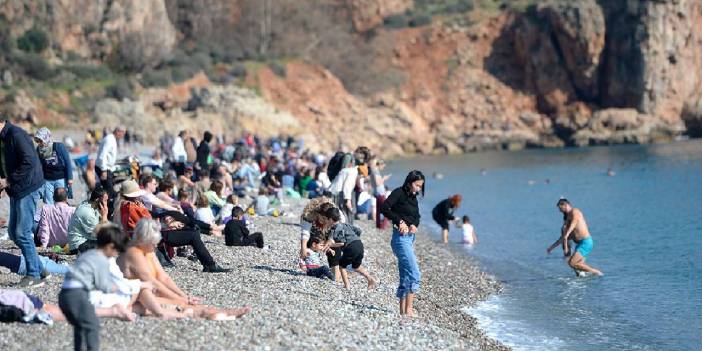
x=646, y=222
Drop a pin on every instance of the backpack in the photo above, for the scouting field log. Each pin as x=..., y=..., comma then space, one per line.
x=335, y=165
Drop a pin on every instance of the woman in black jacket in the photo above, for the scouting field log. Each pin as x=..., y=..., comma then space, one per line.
x=443, y=213
x=402, y=209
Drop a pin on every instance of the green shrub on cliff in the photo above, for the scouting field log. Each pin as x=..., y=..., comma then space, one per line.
x=34, y=66
x=34, y=40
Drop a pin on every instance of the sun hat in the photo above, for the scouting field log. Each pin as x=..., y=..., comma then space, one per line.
x=130, y=188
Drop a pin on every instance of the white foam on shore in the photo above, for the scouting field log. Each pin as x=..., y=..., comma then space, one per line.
x=494, y=318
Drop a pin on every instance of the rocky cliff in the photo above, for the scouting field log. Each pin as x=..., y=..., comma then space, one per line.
x=558, y=73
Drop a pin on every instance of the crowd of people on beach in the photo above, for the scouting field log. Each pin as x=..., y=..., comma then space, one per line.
x=138, y=214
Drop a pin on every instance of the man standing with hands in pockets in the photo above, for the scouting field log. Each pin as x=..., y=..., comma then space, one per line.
x=22, y=178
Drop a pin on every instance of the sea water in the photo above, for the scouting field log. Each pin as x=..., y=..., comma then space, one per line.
x=646, y=222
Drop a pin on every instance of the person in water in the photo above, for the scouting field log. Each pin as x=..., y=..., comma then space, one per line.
x=574, y=224
x=443, y=213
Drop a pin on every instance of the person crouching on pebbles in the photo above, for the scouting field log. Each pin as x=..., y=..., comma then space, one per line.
x=348, y=239
x=402, y=209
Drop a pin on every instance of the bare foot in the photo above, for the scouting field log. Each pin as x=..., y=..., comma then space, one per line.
x=238, y=312
x=372, y=283
x=412, y=314
x=122, y=313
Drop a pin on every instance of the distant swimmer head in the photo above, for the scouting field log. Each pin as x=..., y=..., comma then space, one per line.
x=414, y=183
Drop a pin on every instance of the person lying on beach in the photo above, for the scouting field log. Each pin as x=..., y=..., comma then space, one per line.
x=574, y=223
x=347, y=239
x=140, y=262
x=16, y=264
x=312, y=263
x=237, y=234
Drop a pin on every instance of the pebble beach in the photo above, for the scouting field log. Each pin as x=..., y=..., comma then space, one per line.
x=290, y=310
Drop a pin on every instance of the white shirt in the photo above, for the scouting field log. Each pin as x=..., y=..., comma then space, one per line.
x=323, y=180
x=107, y=154
x=468, y=233
x=178, y=149
x=344, y=182
x=205, y=214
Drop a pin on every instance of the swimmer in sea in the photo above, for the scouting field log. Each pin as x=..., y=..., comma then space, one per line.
x=574, y=224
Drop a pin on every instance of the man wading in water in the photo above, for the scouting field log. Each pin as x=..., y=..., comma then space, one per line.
x=574, y=223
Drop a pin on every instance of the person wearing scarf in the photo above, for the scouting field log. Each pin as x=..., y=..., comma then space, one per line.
x=55, y=163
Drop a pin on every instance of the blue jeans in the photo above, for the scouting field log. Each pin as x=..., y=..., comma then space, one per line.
x=403, y=248
x=19, y=228
x=49, y=187
x=51, y=266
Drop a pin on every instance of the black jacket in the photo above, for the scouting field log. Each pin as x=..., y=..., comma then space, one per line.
x=203, y=154
x=443, y=212
x=401, y=206
x=24, y=172
x=234, y=232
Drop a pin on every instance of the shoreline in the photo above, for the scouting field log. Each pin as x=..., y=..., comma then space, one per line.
x=291, y=310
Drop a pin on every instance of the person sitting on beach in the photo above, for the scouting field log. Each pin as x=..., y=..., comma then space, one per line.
x=226, y=213
x=132, y=211
x=87, y=216
x=442, y=213
x=347, y=239
x=203, y=183
x=468, y=232
x=185, y=181
x=261, y=204
x=574, y=223
x=237, y=234
x=139, y=262
x=166, y=194
x=89, y=176
x=214, y=197
x=312, y=263
x=204, y=214
x=54, y=220
x=186, y=204
x=152, y=203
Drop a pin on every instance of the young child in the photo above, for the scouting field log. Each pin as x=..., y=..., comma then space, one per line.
x=204, y=214
x=232, y=201
x=468, y=232
x=312, y=264
x=91, y=271
x=349, y=250
x=236, y=233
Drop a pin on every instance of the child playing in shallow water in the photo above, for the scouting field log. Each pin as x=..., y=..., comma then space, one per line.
x=312, y=264
x=468, y=232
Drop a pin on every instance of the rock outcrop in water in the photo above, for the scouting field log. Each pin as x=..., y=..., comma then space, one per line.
x=561, y=72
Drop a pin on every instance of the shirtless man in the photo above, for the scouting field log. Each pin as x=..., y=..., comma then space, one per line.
x=574, y=223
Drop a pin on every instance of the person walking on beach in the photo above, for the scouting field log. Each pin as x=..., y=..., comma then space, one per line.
x=22, y=178
x=443, y=213
x=574, y=223
x=402, y=209
x=203, y=152
x=106, y=160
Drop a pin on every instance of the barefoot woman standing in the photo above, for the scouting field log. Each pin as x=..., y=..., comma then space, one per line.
x=402, y=209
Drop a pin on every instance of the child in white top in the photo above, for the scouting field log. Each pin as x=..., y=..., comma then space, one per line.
x=468, y=232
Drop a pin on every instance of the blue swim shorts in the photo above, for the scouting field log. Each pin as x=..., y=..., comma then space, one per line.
x=584, y=247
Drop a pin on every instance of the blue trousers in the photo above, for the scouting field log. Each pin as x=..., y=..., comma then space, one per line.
x=403, y=248
x=19, y=228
